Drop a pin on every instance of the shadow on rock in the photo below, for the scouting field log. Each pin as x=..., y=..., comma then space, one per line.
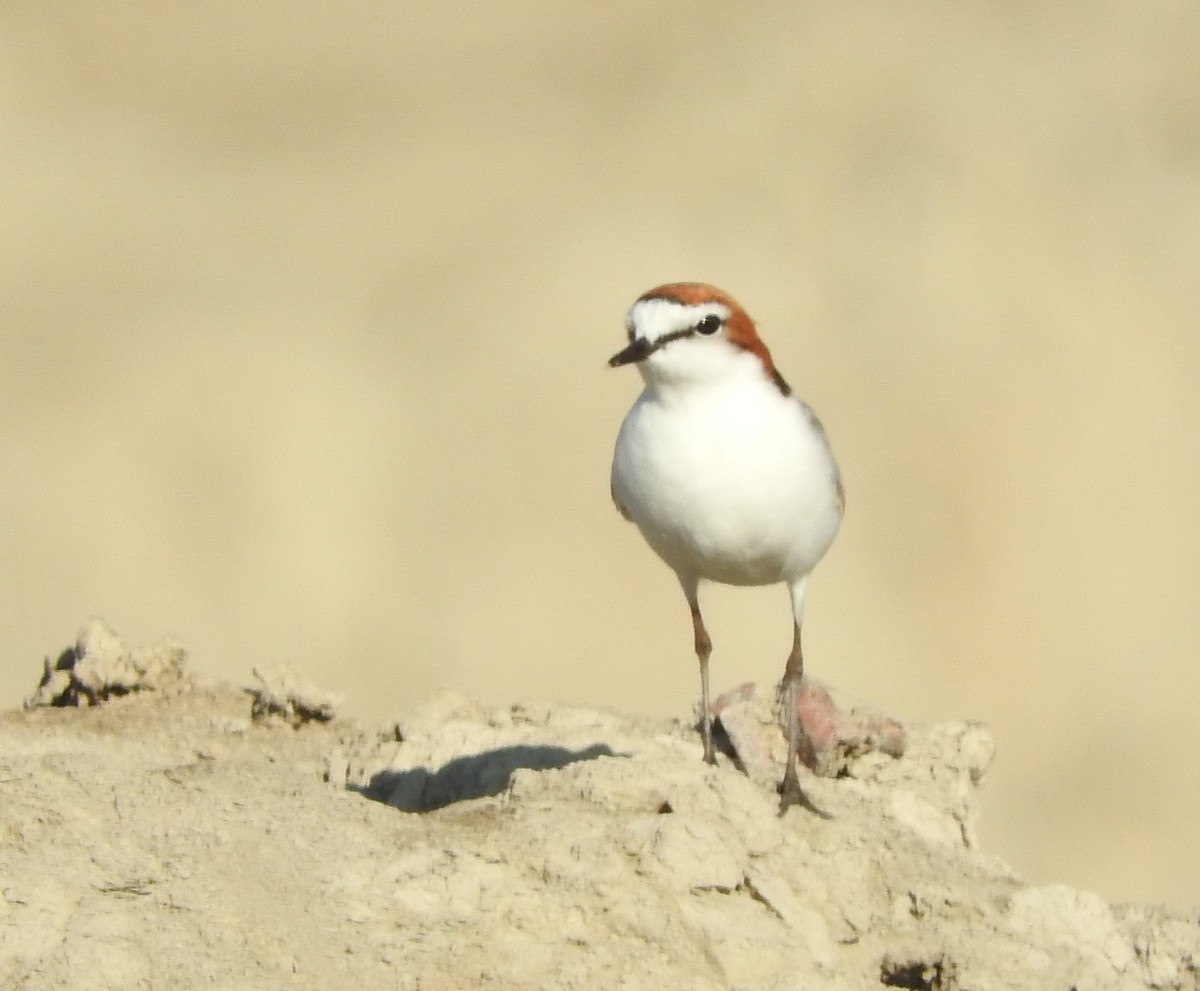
x=477, y=776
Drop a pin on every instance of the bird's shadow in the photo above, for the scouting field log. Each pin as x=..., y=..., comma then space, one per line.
x=475, y=776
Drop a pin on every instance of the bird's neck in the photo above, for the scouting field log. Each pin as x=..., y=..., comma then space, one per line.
x=747, y=383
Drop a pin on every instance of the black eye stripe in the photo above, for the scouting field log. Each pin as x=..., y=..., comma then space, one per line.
x=707, y=326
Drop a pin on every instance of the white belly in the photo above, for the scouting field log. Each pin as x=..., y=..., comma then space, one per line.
x=739, y=488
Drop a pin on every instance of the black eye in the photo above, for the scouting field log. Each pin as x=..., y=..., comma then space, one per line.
x=709, y=325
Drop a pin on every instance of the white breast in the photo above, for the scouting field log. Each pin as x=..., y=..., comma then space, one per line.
x=730, y=482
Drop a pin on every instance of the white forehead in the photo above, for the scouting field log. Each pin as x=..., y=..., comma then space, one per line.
x=650, y=319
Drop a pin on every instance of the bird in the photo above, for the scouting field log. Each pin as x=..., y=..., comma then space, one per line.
x=728, y=475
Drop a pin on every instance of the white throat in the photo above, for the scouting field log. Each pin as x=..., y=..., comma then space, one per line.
x=698, y=362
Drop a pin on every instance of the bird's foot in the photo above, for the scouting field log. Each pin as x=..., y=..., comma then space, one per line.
x=791, y=794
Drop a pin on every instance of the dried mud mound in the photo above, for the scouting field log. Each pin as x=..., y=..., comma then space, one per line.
x=168, y=839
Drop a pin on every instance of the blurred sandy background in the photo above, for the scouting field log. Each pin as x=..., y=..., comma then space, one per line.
x=305, y=313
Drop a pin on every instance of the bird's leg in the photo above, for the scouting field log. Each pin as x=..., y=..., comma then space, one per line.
x=790, y=792
x=703, y=650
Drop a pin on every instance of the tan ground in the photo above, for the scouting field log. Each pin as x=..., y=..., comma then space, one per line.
x=305, y=312
x=198, y=835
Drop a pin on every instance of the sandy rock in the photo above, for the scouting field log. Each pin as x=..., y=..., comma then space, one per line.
x=171, y=842
x=286, y=695
x=99, y=667
x=834, y=739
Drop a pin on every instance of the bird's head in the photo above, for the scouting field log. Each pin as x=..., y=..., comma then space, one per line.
x=693, y=333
